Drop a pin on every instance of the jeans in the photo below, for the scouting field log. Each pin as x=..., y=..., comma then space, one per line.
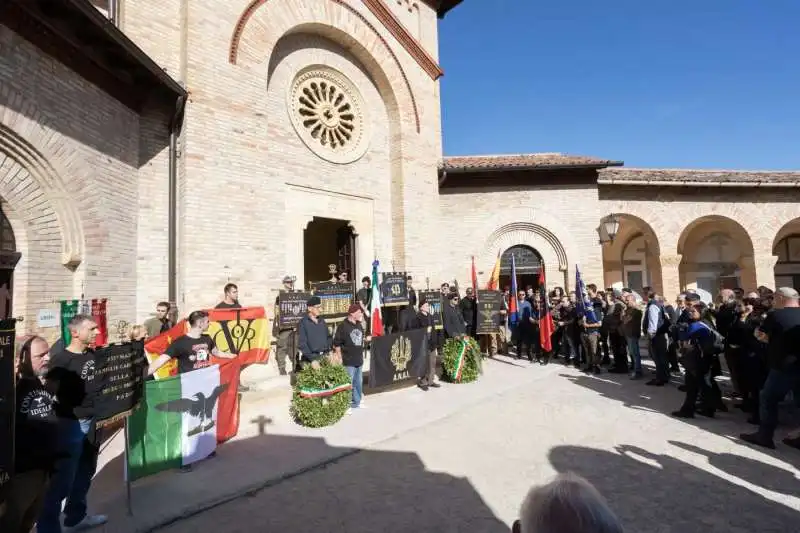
x=72, y=477
x=658, y=353
x=357, y=378
x=635, y=353
x=779, y=383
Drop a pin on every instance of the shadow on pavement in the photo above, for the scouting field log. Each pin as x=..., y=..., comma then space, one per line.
x=634, y=394
x=660, y=494
x=255, y=484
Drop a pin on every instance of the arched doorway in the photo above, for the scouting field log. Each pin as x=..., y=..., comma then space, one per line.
x=717, y=253
x=632, y=258
x=327, y=242
x=9, y=257
x=528, y=263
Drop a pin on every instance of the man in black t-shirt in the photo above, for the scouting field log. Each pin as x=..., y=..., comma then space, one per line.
x=348, y=345
x=35, y=438
x=231, y=298
x=77, y=432
x=781, y=331
x=193, y=350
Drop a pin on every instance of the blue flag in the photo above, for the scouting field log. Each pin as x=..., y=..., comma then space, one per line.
x=583, y=304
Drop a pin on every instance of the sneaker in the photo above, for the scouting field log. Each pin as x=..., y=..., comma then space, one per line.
x=758, y=440
x=88, y=522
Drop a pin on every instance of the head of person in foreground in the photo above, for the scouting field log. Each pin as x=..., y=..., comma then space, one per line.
x=568, y=504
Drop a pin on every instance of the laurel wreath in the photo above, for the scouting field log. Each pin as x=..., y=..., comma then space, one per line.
x=452, y=350
x=326, y=410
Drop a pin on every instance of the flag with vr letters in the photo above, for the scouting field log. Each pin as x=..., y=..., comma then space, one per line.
x=244, y=332
x=182, y=418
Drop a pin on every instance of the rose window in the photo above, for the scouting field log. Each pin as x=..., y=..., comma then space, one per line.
x=328, y=115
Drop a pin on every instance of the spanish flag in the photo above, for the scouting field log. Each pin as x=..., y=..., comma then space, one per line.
x=494, y=280
x=244, y=332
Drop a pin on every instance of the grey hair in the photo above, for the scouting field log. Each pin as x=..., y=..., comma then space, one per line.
x=568, y=504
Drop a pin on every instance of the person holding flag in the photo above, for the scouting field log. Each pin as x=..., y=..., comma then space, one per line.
x=590, y=313
x=546, y=325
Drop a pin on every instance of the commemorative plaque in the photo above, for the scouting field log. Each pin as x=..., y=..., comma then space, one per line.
x=336, y=298
x=292, y=307
x=394, y=289
x=490, y=303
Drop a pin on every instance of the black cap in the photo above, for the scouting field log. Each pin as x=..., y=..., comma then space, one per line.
x=314, y=300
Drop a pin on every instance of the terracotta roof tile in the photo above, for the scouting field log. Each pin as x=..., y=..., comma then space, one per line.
x=644, y=176
x=522, y=161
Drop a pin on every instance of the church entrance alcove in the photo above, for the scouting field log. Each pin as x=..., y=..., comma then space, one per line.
x=527, y=262
x=328, y=241
x=9, y=257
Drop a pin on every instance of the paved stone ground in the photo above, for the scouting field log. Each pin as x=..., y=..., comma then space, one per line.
x=467, y=467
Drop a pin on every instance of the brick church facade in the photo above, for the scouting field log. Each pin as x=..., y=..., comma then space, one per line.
x=154, y=150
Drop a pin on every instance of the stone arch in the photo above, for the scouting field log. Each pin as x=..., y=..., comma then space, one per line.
x=38, y=195
x=716, y=251
x=786, y=254
x=632, y=227
x=335, y=20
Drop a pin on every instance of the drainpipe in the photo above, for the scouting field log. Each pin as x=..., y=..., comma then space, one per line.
x=172, y=226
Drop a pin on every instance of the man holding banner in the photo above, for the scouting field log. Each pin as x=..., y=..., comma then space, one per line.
x=193, y=350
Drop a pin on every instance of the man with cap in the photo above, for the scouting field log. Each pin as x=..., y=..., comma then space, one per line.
x=315, y=341
x=282, y=337
x=348, y=345
x=424, y=319
x=452, y=318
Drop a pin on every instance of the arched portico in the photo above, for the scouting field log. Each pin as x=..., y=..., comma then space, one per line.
x=786, y=250
x=633, y=258
x=716, y=253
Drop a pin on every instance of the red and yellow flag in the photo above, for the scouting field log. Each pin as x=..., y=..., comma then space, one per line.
x=494, y=280
x=244, y=332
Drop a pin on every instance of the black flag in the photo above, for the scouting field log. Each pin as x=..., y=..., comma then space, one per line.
x=7, y=401
x=398, y=357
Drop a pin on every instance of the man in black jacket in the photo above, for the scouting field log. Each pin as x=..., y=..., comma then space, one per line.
x=452, y=318
x=425, y=320
x=315, y=340
x=469, y=310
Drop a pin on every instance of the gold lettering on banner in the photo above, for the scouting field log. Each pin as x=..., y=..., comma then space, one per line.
x=401, y=354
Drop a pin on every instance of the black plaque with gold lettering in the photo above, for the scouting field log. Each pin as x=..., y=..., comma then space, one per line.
x=335, y=297
x=118, y=381
x=7, y=402
x=490, y=303
x=394, y=289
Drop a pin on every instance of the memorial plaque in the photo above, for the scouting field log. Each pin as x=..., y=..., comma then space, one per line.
x=118, y=381
x=490, y=303
x=434, y=299
x=394, y=289
x=292, y=307
x=336, y=298
x=7, y=401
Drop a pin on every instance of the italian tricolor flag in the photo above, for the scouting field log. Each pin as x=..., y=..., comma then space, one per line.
x=182, y=419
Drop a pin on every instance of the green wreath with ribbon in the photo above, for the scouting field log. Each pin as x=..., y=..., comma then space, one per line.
x=321, y=395
x=460, y=360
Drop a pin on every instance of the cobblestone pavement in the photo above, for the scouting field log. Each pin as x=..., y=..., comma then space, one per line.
x=470, y=470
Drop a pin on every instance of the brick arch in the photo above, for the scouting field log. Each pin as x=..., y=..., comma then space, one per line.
x=729, y=226
x=537, y=237
x=338, y=21
x=39, y=198
x=790, y=228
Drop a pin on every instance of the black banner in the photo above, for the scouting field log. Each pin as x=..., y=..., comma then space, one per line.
x=398, y=357
x=394, y=288
x=490, y=303
x=7, y=400
x=292, y=307
x=434, y=298
x=336, y=298
x=118, y=381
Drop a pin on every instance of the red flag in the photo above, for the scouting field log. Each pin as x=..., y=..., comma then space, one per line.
x=546, y=325
x=99, y=308
x=474, y=278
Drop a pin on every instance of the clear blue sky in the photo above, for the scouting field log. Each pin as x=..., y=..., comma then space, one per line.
x=659, y=83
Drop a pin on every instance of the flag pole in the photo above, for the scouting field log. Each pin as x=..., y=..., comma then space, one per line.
x=127, y=477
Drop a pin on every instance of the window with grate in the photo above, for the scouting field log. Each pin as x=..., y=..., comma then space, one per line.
x=526, y=260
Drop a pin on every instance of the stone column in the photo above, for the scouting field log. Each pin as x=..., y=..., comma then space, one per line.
x=765, y=270
x=670, y=276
